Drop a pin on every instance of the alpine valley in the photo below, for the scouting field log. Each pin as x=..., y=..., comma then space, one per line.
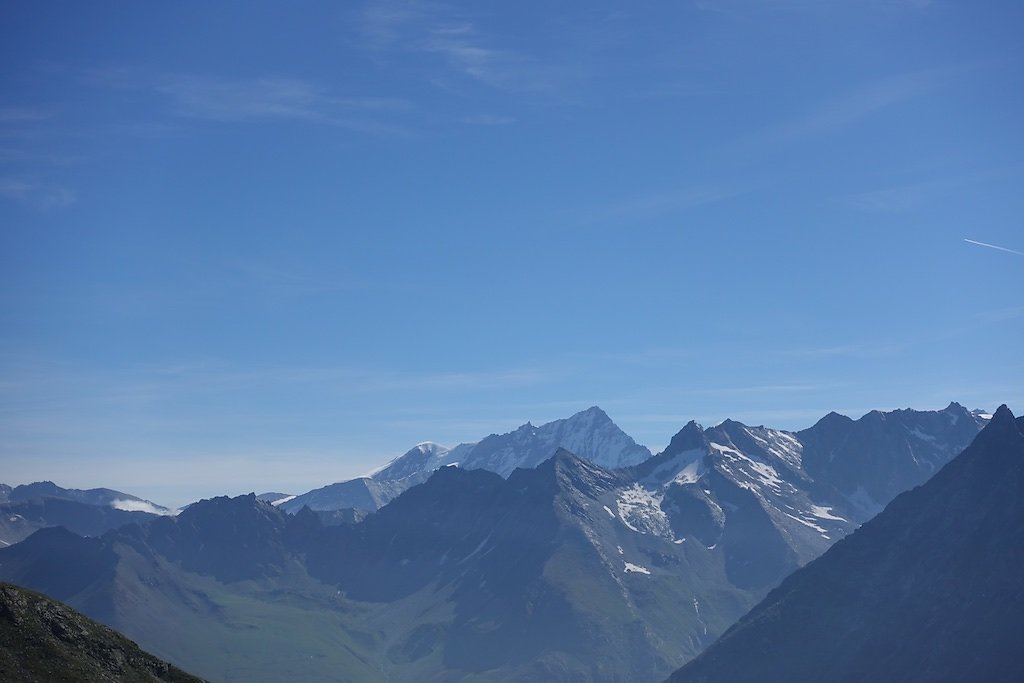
x=560, y=552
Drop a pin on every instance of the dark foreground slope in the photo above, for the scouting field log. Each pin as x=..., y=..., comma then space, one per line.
x=929, y=590
x=44, y=640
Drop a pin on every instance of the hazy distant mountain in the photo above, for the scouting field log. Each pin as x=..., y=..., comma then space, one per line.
x=91, y=512
x=364, y=493
x=102, y=497
x=590, y=433
x=18, y=520
x=929, y=590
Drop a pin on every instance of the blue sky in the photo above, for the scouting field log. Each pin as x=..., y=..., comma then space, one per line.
x=251, y=246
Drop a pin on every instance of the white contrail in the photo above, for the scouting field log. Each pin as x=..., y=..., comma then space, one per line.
x=992, y=246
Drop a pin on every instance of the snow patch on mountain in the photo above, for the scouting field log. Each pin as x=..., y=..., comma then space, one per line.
x=825, y=513
x=640, y=510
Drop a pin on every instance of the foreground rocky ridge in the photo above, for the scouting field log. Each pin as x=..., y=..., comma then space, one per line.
x=43, y=640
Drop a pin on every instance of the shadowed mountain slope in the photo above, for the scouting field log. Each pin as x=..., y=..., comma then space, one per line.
x=929, y=590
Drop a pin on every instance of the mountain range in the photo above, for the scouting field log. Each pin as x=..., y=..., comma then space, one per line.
x=561, y=570
x=929, y=590
x=591, y=434
x=27, y=508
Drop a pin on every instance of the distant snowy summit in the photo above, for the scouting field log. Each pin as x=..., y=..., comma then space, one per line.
x=591, y=434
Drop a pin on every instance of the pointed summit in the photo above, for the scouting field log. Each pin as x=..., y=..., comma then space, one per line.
x=691, y=436
x=1003, y=425
x=594, y=413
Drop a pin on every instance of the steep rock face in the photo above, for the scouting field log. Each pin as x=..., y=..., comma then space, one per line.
x=762, y=497
x=227, y=538
x=929, y=590
x=43, y=640
x=873, y=459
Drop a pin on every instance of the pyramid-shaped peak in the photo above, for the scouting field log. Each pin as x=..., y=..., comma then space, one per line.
x=834, y=418
x=595, y=411
x=1004, y=410
x=1002, y=417
x=593, y=414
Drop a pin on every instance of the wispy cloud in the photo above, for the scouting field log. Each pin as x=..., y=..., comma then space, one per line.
x=453, y=49
x=36, y=193
x=22, y=114
x=851, y=107
x=488, y=120
x=853, y=350
x=468, y=53
x=993, y=246
x=763, y=6
x=265, y=99
x=844, y=110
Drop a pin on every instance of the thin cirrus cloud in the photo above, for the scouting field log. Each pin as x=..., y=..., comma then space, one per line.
x=462, y=50
x=252, y=100
x=654, y=204
x=848, y=108
x=36, y=193
x=32, y=383
x=763, y=6
x=22, y=115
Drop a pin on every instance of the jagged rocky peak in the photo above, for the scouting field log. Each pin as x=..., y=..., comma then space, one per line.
x=225, y=511
x=686, y=439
